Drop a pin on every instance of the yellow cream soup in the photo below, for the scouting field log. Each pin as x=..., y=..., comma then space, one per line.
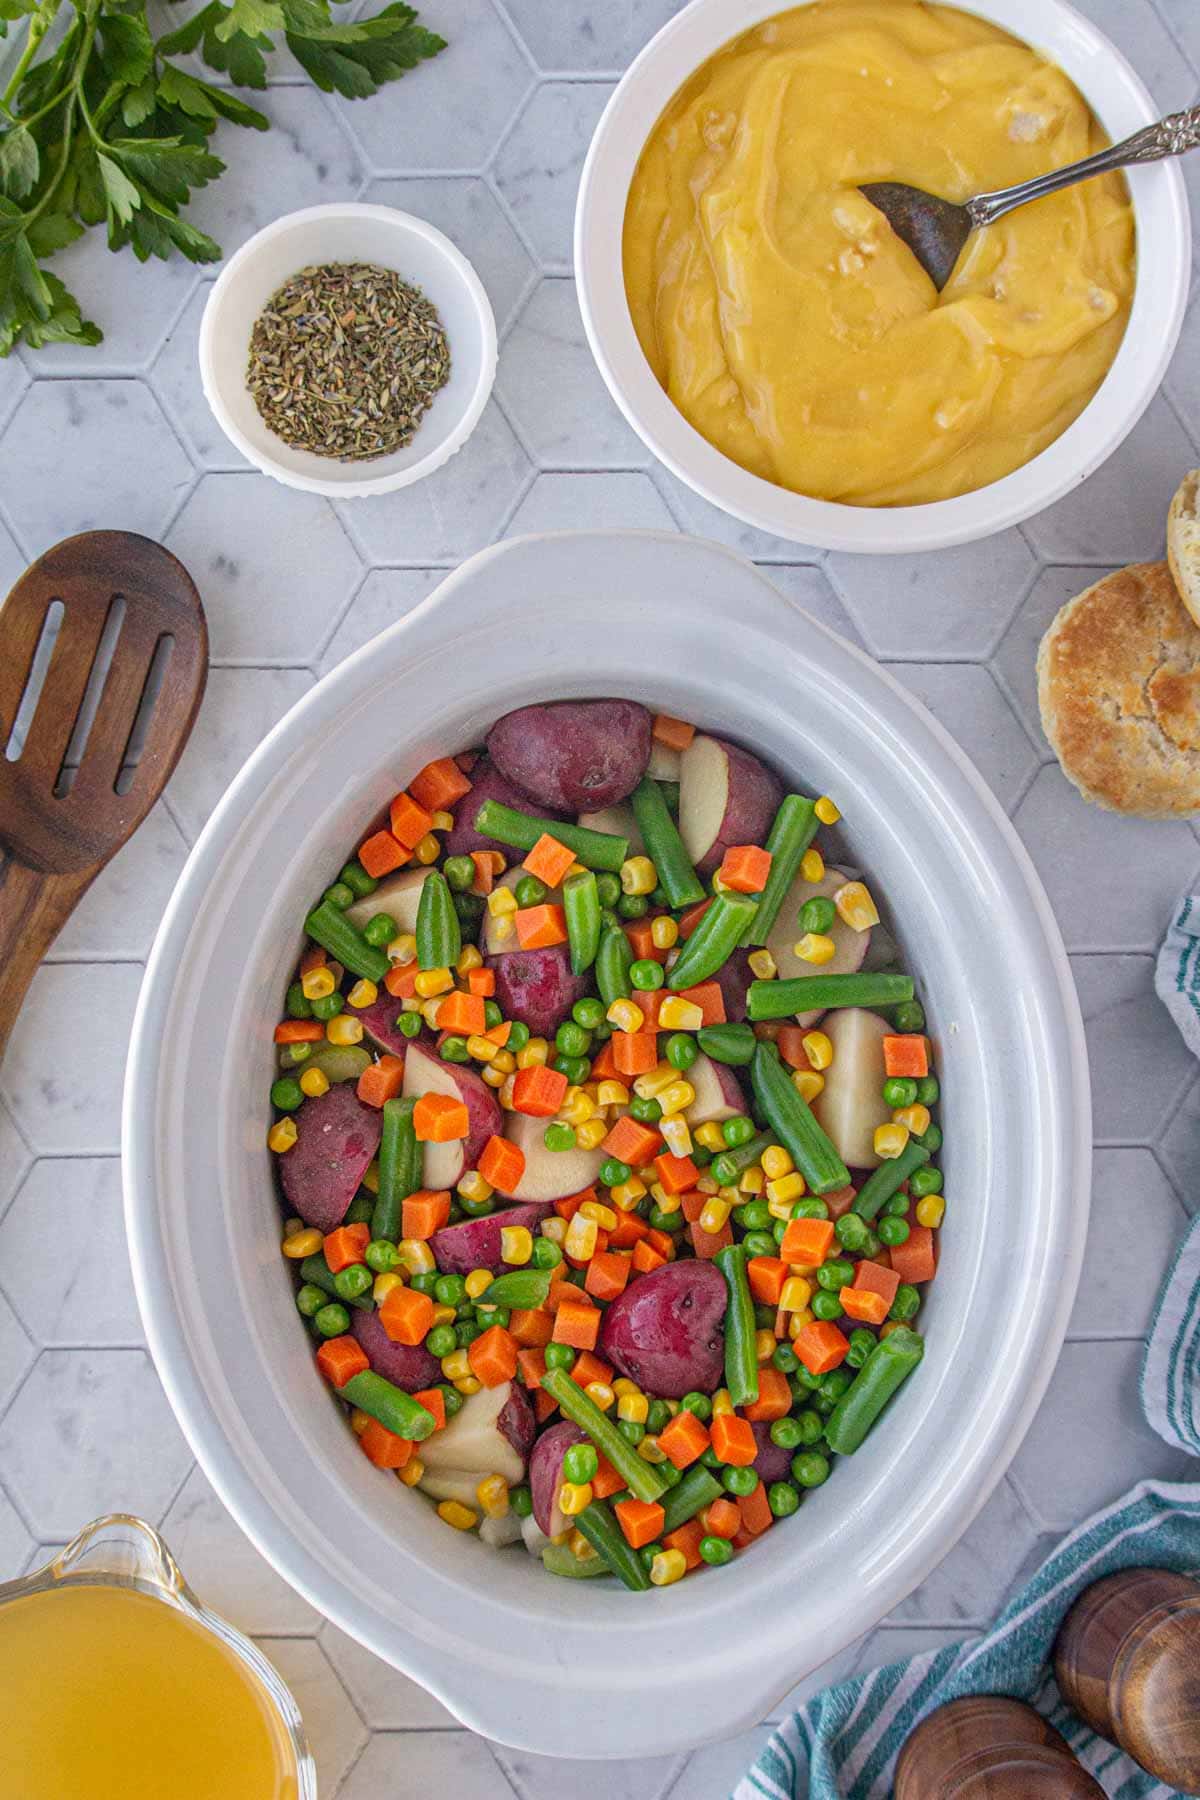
x=793, y=329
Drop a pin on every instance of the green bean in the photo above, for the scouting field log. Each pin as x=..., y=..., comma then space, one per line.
x=581, y=904
x=614, y=959
x=639, y=1476
x=595, y=849
x=889, y=1178
x=558, y=1560
x=395, y=1409
x=890, y=1363
x=790, y=1118
x=727, y=1043
x=741, y=1353
x=599, y=1526
x=316, y=1272
x=714, y=940
x=810, y=993
x=698, y=1489
x=439, y=935
x=726, y=1167
x=794, y=829
x=327, y=926
x=525, y=1289
x=401, y=1166
x=360, y=1209
x=664, y=846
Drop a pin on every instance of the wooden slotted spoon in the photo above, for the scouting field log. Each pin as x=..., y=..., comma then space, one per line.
x=75, y=779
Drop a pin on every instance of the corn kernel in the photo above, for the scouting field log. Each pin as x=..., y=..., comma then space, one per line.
x=343, y=1030
x=430, y=1010
x=314, y=1082
x=469, y=958
x=623, y=1385
x=410, y=1004
x=752, y=1181
x=651, y=1451
x=580, y=1241
x=780, y=1209
x=722, y=1401
x=668, y=1567
x=299, y=1244
x=706, y=1185
x=456, y=1366
x=474, y=1187
x=502, y=927
x=638, y=875
x=555, y=1229
x=664, y=932
x=818, y=1047
x=282, y=1136
x=478, y=1282
x=890, y=1140
x=626, y=1015
x=826, y=811
x=454, y=1513
x=677, y=1134
x=776, y=1162
x=887, y=1329
x=386, y=1284
x=516, y=1244
x=443, y=1315
x=591, y=1135
x=612, y=1093
x=666, y=1203
x=917, y=1118
x=676, y=1097
x=931, y=1210
x=492, y=1495
x=505, y=1061
x=370, y=1178
x=481, y=1049
x=534, y=1054
x=505, y=1093
x=412, y=1472
x=763, y=965
x=443, y=821
x=363, y=993
x=576, y=1109
x=788, y=1187
x=650, y=1085
x=359, y=1420
x=501, y=900
x=403, y=949
x=318, y=984
x=428, y=850
x=600, y=1394
x=812, y=866
x=795, y=1294
x=470, y=1384
x=633, y=1407
x=799, y=1320
x=680, y=1015
x=764, y=1345
x=580, y=1549
x=856, y=907
x=714, y=1215
x=604, y=1216
x=573, y=1496
x=433, y=981
x=710, y=1136
x=416, y=1256
x=808, y=1084
x=815, y=947
x=292, y=1225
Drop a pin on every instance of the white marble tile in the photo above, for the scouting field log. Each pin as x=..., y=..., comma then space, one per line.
x=120, y=913
x=894, y=1643
x=239, y=708
x=385, y=596
x=1101, y=905
x=91, y=1432
x=606, y=34
x=175, y=377
x=714, y=1770
x=63, y=1257
x=538, y=166
x=387, y=1700
x=14, y=383
x=15, y=1158
x=91, y=454
x=456, y=510
x=810, y=588
x=273, y=564
x=617, y=502
x=549, y=1777
x=16, y=1350
x=65, y=1062
x=966, y=700
x=1119, y=515
x=702, y=519
x=1089, y=1441
x=466, y=209
x=336, y=1734
x=995, y=1553
x=425, y=1764
x=305, y=159
x=953, y=603
x=1132, y=1204
x=1015, y=661
x=1139, y=1062
x=133, y=304
x=1137, y=30
x=1181, y=377
x=16, y=1545
x=450, y=112
x=225, y=1569
x=12, y=562
x=1184, y=19
x=1179, y=1149
x=553, y=391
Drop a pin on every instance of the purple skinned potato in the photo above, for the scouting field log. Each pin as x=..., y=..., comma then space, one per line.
x=516, y=1421
x=734, y=978
x=666, y=1330
x=425, y=1073
x=772, y=1463
x=537, y=986
x=545, y=1473
x=407, y=1366
x=475, y=1243
x=487, y=783
x=379, y=1024
x=580, y=755
x=726, y=797
x=336, y=1138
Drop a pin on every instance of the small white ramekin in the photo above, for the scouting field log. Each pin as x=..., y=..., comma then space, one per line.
x=1122, y=105
x=348, y=232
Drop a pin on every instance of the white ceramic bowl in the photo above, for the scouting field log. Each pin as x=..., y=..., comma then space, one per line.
x=348, y=232
x=1122, y=105
x=585, y=1669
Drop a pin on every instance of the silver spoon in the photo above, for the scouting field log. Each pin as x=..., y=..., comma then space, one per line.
x=935, y=230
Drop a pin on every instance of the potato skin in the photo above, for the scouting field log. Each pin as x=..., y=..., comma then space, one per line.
x=545, y=1468
x=537, y=986
x=336, y=1138
x=734, y=978
x=771, y=1463
x=487, y=783
x=475, y=1243
x=755, y=793
x=407, y=1366
x=580, y=755
x=666, y=1331
x=516, y=1422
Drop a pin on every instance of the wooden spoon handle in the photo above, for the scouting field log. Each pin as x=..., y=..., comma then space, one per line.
x=33, y=909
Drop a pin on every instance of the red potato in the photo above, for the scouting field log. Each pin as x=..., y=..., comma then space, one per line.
x=490, y=942
x=399, y=895
x=537, y=987
x=545, y=1474
x=407, y=1366
x=718, y=1093
x=666, y=1330
x=549, y=1174
x=475, y=1243
x=379, y=1024
x=618, y=821
x=321, y=1173
x=851, y=1104
x=850, y=947
x=664, y=762
x=734, y=978
x=579, y=755
x=426, y=1073
x=771, y=1463
x=726, y=797
x=487, y=783
x=493, y=1432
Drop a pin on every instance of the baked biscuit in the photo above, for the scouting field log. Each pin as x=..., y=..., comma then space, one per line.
x=1183, y=542
x=1119, y=690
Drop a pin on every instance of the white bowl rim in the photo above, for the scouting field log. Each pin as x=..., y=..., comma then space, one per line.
x=404, y=224
x=491, y=1705
x=693, y=34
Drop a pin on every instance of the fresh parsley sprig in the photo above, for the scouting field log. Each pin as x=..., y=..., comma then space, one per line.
x=100, y=126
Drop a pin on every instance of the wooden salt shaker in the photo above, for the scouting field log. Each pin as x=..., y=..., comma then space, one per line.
x=1127, y=1661
x=988, y=1747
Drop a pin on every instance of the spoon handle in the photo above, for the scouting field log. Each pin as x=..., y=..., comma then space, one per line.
x=1172, y=136
x=34, y=907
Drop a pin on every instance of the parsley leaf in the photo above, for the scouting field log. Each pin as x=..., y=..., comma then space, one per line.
x=356, y=60
x=19, y=162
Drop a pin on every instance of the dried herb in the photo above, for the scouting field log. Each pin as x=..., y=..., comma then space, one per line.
x=99, y=126
x=345, y=361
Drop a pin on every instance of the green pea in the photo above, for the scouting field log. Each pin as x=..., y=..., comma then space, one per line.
x=631, y=1431
x=529, y=891
x=810, y=1468
x=931, y=1140
x=602, y=1033
x=310, y=1299
x=851, y=1232
x=571, y=1039
x=409, y=1024
x=928, y=1090
x=697, y=1403
x=872, y=1244
x=477, y=1209
x=893, y=1231
x=459, y=872
x=441, y=1341
x=613, y=1173
x=425, y=1283
x=907, y=1303
x=633, y=906
x=764, y=1316
x=465, y=1309
x=452, y=1400
x=812, y=1207
x=287, y=1094
x=740, y=1481
x=518, y=1036
x=787, y=1434
x=724, y=1170
x=521, y=1501
x=826, y=1306
x=811, y=1426
x=782, y=1498
x=333, y=1319
x=608, y=889
x=469, y=908
x=737, y=1131
x=357, y=880
x=897, y=1207
x=341, y=895
x=466, y=1331
x=580, y=1463
x=670, y=1474
x=360, y=1209
x=327, y=1007
x=559, y=1137
x=380, y=929
x=658, y=1417
x=646, y=975
x=297, y=1005
x=454, y=1050
x=559, y=1356
x=546, y=1253
x=710, y=1459
x=382, y=1256
x=492, y=1016
x=659, y=897
x=818, y=914
x=715, y=1551
x=925, y=1180
x=899, y=1090
x=785, y=1359
x=492, y=1315
x=648, y=1552
x=761, y=1243
x=835, y=1275
x=754, y=1216
x=834, y=1385
x=701, y=1156
x=575, y=1068
x=682, y=1050
x=661, y=1221
x=861, y=1345
x=778, y=1230
x=450, y=1290
x=909, y=1016
x=588, y=1012
x=646, y=1112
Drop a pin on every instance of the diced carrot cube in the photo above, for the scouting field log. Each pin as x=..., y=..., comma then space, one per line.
x=745, y=868
x=676, y=1173
x=538, y=927
x=382, y=1081
x=606, y=1481
x=381, y=853
x=493, y=1356
x=690, y=917
x=482, y=982
x=530, y=1326
x=531, y=1363
x=603, y=1066
x=733, y=1440
x=590, y=1367
x=425, y=1212
x=406, y=1315
x=806, y=1241
x=315, y=956
x=346, y=1246
x=630, y=1142
x=341, y=1358
x=774, y=1396
x=502, y=1164
x=628, y=1231
x=499, y=1034
x=692, y=1205
x=873, y=1278
x=485, y=872
x=640, y=1520
x=577, y=1325
x=708, y=997
x=790, y=1039
x=863, y=1306
x=820, y=1346
x=766, y=1275
x=841, y=1201
x=569, y=1205
x=906, y=1055
x=722, y=1519
x=383, y=1448
x=434, y=1401
x=634, y=1052
x=662, y=1241
x=538, y=1091
x=607, y=1274
x=439, y=784
x=549, y=860
x=462, y=1013
x=440, y=1119
x=401, y=980
x=409, y=822
x=543, y=1406
x=685, y=1438
x=641, y=942
x=676, y=734
x=646, y=1259
x=915, y=1260
x=687, y=1537
x=299, y=1031
x=755, y=1509
x=707, y=1243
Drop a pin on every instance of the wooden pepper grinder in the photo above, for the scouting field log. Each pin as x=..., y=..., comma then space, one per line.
x=987, y=1747
x=1128, y=1662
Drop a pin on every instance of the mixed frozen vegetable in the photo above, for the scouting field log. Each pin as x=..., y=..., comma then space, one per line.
x=604, y=1125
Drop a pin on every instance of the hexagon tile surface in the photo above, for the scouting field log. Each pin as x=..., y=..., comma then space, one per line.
x=122, y=436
